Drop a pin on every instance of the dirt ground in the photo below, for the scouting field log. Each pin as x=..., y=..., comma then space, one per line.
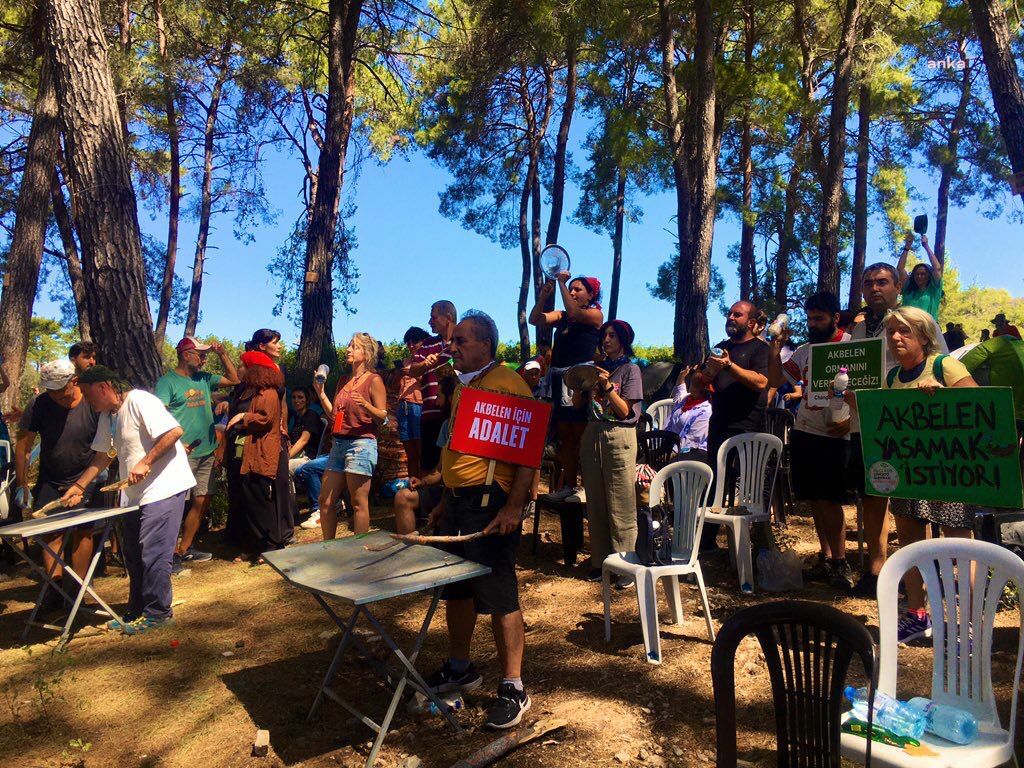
x=246, y=651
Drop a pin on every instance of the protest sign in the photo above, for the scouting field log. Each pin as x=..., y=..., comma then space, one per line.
x=958, y=444
x=863, y=361
x=493, y=425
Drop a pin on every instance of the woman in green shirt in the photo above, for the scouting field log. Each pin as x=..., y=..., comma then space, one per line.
x=922, y=288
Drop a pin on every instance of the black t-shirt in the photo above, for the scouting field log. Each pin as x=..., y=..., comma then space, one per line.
x=574, y=343
x=65, y=438
x=735, y=406
x=307, y=422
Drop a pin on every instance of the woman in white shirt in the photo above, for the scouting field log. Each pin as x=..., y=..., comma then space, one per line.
x=691, y=414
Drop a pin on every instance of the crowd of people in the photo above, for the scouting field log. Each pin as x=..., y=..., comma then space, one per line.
x=275, y=442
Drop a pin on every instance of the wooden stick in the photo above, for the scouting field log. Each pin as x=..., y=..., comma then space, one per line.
x=490, y=479
x=416, y=538
x=44, y=510
x=119, y=485
x=500, y=747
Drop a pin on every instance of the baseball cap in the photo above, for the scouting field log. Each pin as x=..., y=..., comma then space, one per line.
x=98, y=374
x=56, y=374
x=191, y=342
x=531, y=365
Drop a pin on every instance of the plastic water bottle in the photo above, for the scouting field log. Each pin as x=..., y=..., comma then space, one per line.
x=839, y=411
x=321, y=373
x=949, y=723
x=717, y=352
x=453, y=704
x=780, y=324
x=891, y=714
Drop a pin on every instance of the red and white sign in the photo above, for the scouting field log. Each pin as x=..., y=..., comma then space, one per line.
x=502, y=427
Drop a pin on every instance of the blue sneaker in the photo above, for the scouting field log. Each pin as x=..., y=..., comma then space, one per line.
x=145, y=624
x=118, y=626
x=913, y=627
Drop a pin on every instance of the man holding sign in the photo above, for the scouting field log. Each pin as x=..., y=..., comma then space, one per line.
x=486, y=495
x=820, y=441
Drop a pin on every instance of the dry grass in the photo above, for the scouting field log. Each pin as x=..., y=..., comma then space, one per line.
x=117, y=701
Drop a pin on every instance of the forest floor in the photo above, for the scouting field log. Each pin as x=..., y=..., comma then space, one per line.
x=246, y=651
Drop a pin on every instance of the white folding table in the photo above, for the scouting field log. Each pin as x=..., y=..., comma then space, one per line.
x=355, y=571
x=63, y=524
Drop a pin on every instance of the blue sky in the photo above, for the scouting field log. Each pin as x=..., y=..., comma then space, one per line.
x=409, y=255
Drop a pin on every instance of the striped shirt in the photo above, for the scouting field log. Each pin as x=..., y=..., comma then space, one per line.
x=429, y=381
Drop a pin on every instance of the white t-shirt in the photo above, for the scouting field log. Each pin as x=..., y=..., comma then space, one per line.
x=859, y=332
x=133, y=431
x=797, y=370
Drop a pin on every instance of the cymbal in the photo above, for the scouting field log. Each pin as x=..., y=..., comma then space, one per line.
x=582, y=377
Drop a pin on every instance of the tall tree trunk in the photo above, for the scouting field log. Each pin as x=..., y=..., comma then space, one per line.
x=561, y=145
x=951, y=161
x=526, y=252
x=620, y=221
x=26, y=247
x=860, y=195
x=106, y=215
x=680, y=175
x=62, y=216
x=747, y=266
x=695, y=267
x=832, y=183
x=317, y=340
x=206, y=194
x=174, y=183
x=1003, y=77
x=787, y=230
x=125, y=38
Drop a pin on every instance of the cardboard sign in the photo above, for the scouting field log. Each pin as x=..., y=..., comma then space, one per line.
x=863, y=361
x=502, y=427
x=959, y=444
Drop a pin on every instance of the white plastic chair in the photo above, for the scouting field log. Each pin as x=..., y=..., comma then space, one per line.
x=690, y=481
x=659, y=412
x=753, y=488
x=6, y=480
x=962, y=680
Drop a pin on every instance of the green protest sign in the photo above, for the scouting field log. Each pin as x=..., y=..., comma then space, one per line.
x=863, y=361
x=959, y=444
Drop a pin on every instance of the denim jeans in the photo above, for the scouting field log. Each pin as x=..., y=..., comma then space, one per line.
x=310, y=475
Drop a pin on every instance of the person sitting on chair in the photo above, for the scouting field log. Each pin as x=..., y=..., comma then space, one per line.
x=691, y=414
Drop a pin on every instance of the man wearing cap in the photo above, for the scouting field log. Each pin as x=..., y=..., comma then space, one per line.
x=66, y=425
x=1004, y=327
x=531, y=373
x=135, y=427
x=187, y=393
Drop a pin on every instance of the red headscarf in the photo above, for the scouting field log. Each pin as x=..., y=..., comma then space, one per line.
x=593, y=286
x=257, y=358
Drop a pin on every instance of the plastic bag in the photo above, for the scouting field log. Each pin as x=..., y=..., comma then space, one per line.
x=779, y=571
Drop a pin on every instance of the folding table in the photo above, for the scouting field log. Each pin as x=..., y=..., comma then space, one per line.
x=358, y=572
x=63, y=524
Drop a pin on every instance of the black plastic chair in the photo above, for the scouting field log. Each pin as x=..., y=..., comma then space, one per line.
x=807, y=648
x=780, y=422
x=657, y=447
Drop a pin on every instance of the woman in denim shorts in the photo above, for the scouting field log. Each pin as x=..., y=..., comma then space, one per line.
x=359, y=408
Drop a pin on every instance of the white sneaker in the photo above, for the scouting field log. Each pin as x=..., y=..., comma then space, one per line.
x=312, y=523
x=578, y=495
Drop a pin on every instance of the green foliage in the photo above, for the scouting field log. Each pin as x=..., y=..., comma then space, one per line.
x=974, y=306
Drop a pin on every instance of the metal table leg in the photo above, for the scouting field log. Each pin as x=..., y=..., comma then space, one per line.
x=409, y=674
x=85, y=586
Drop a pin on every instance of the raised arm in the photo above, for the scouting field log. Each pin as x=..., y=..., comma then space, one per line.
x=901, y=265
x=936, y=264
x=538, y=316
x=230, y=377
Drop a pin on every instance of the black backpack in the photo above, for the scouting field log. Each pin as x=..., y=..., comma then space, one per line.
x=654, y=534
